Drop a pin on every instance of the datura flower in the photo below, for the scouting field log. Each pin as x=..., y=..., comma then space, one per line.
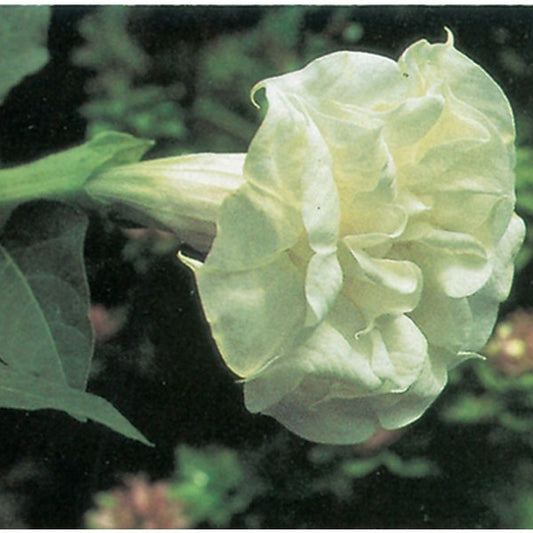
x=364, y=246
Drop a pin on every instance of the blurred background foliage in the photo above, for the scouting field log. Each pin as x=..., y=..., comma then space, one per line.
x=182, y=76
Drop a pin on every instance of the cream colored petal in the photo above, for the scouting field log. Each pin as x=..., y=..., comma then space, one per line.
x=337, y=421
x=411, y=120
x=273, y=383
x=485, y=216
x=359, y=155
x=446, y=322
x=438, y=64
x=398, y=410
x=381, y=286
x=255, y=314
x=252, y=228
x=457, y=165
x=327, y=354
x=369, y=217
x=323, y=353
x=322, y=285
x=321, y=218
x=462, y=152
x=389, y=357
x=455, y=262
x=264, y=216
x=328, y=400
x=357, y=79
x=399, y=353
x=403, y=277
x=484, y=303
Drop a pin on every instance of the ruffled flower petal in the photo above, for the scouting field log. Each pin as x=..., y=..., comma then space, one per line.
x=317, y=397
x=253, y=313
x=372, y=240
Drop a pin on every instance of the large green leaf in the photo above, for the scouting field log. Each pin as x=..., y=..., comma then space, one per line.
x=23, y=391
x=25, y=337
x=45, y=242
x=23, y=39
x=46, y=340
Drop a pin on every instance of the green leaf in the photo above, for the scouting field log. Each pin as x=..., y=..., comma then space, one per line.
x=361, y=467
x=23, y=39
x=64, y=174
x=45, y=242
x=26, y=341
x=410, y=468
x=20, y=390
x=45, y=336
x=214, y=483
x=472, y=409
x=495, y=381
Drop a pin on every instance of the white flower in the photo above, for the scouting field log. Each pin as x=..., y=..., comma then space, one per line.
x=368, y=250
x=370, y=243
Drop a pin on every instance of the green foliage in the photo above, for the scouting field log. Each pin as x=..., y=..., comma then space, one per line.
x=23, y=37
x=506, y=401
x=45, y=336
x=44, y=287
x=46, y=339
x=217, y=484
x=470, y=408
x=345, y=463
x=21, y=390
x=214, y=483
x=121, y=97
x=417, y=467
x=63, y=175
